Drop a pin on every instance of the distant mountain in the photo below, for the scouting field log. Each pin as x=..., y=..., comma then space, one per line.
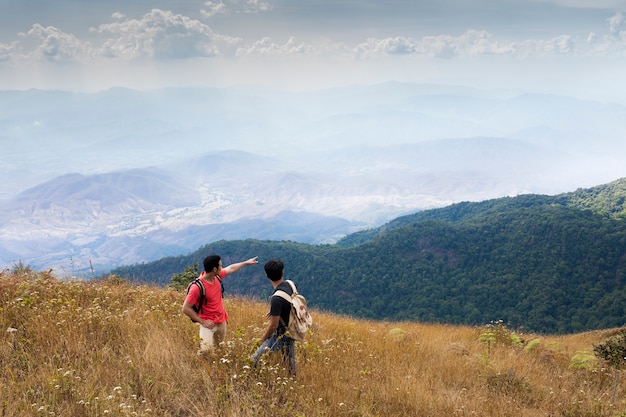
x=161, y=172
x=552, y=264
x=50, y=133
x=78, y=224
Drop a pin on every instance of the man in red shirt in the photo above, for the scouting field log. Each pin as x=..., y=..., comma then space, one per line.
x=212, y=316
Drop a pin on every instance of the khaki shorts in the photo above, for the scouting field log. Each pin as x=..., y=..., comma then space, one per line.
x=209, y=338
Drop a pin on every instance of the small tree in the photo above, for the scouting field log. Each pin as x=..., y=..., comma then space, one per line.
x=181, y=280
x=497, y=332
x=613, y=351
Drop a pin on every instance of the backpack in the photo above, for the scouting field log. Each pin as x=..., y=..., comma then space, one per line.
x=300, y=320
x=197, y=282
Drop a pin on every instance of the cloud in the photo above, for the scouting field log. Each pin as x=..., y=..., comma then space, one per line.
x=474, y=43
x=616, y=22
x=613, y=44
x=233, y=6
x=7, y=51
x=52, y=44
x=470, y=43
x=190, y=40
x=214, y=9
x=265, y=46
x=163, y=35
x=254, y=6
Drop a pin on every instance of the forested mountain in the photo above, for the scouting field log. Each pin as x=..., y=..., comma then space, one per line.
x=551, y=264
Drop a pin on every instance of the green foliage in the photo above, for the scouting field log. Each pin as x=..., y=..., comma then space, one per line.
x=583, y=360
x=496, y=333
x=613, y=351
x=181, y=280
x=533, y=345
x=548, y=264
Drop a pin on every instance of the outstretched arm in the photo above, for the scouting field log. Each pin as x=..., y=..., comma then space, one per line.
x=237, y=266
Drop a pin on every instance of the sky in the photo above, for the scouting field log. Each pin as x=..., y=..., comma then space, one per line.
x=575, y=47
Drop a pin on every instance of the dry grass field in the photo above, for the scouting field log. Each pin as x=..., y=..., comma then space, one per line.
x=109, y=348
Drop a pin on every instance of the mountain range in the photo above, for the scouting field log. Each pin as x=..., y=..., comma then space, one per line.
x=539, y=263
x=97, y=180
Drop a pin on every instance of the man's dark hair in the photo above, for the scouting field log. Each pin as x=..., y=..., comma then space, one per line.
x=210, y=262
x=274, y=269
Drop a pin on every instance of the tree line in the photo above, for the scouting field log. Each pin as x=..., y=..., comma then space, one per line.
x=548, y=264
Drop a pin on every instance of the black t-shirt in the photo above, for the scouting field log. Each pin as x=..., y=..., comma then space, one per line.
x=281, y=307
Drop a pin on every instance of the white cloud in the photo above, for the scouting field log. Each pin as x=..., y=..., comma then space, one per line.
x=265, y=46
x=52, y=44
x=470, y=43
x=616, y=23
x=214, y=9
x=254, y=6
x=163, y=35
x=611, y=45
x=7, y=51
x=266, y=38
x=234, y=6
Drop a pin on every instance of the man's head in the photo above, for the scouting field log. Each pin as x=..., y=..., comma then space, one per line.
x=211, y=262
x=274, y=269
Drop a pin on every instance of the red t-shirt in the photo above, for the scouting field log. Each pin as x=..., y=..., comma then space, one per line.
x=213, y=306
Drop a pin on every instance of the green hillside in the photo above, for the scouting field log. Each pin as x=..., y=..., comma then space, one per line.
x=550, y=264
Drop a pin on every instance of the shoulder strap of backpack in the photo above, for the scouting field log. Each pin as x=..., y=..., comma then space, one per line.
x=293, y=286
x=202, y=292
x=282, y=294
x=221, y=283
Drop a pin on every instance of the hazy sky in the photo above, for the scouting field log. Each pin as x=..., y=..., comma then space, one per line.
x=576, y=47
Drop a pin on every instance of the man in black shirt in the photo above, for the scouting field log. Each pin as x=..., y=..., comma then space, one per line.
x=274, y=339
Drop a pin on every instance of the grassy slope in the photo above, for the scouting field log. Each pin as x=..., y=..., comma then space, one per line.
x=115, y=349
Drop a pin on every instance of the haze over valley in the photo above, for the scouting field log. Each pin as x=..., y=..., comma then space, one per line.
x=96, y=180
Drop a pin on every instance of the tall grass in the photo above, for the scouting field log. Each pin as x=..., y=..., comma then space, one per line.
x=109, y=348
